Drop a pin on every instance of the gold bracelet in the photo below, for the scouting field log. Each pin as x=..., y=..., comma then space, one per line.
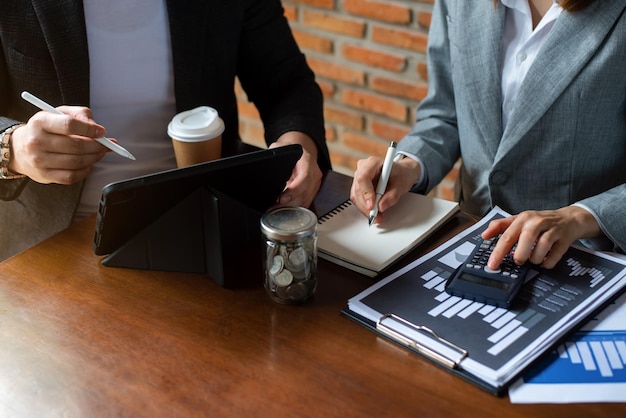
x=5, y=145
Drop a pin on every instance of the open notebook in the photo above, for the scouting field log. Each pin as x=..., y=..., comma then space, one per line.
x=345, y=237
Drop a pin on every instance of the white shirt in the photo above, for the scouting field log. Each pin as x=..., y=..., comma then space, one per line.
x=520, y=46
x=131, y=89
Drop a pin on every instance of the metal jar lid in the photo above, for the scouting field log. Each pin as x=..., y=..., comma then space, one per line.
x=288, y=223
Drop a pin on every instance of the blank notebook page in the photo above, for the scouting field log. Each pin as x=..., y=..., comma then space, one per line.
x=345, y=237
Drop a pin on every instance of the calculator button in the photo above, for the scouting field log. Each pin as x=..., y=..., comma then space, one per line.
x=488, y=270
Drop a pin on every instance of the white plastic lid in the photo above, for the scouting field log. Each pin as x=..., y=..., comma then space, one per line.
x=196, y=125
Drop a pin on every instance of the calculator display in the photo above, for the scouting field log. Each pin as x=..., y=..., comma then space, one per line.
x=474, y=280
x=485, y=281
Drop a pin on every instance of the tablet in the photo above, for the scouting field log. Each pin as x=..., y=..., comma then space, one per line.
x=254, y=180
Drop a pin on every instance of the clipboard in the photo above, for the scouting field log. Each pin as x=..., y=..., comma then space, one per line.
x=487, y=346
x=439, y=359
x=451, y=364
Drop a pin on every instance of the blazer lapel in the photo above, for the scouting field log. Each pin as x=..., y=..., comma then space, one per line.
x=572, y=42
x=480, y=65
x=63, y=25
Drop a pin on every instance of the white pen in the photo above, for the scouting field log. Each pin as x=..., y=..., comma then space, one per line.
x=36, y=101
x=384, y=178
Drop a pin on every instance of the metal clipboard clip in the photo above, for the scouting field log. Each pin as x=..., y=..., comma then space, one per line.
x=445, y=359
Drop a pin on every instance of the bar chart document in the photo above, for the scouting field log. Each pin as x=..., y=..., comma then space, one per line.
x=589, y=366
x=486, y=345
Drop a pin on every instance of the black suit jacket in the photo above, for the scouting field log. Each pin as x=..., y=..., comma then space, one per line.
x=43, y=49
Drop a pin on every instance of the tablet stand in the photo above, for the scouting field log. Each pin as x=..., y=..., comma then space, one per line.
x=207, y=233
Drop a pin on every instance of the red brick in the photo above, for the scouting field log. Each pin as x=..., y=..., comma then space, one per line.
x=422, y=70
x=328, y=89
x=334, y=23
x=252, y=133
x=398, y=88
x=291, y=12
x=364, y=144
x=379, y=10
x=424, y=18
x=343, y=117
x=388, y=131
x=387, y=61
x=337, y=72
x=343, y=162
x=375, y=103
x=247, y=109
x=325, y=4
x=401, y=38
x=330, y=134
x=313, y=42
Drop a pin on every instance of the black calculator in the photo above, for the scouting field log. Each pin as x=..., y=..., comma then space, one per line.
x=474, y=280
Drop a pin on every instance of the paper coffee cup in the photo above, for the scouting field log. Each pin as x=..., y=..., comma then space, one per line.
x=196, y=136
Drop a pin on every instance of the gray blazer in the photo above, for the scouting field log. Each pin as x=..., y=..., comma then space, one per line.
x=566, y=138
x=43, y=49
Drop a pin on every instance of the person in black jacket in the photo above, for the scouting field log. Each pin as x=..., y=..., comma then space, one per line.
x=130, y=66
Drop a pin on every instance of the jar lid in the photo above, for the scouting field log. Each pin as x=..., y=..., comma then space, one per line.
x=288, y=223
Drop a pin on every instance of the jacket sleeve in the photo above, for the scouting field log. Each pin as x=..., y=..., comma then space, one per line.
x=434, y=136
x=277, y=79
x=608, y=209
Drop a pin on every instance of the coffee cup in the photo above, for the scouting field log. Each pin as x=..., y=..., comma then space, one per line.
x=196, y=136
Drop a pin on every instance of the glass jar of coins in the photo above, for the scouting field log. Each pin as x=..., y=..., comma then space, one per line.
x=290, y=253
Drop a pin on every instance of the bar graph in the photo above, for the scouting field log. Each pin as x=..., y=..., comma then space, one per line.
x=492, y=335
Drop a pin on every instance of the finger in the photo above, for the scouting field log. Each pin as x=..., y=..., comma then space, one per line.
x=509, y=235
x=303, y=185
x=62, y=144
x=64, y=176
x=496, y=227
x=527, y=247
x=78, y=112
x=538, y=251
x=56, y=161
x=362, y=192
x=557, y=251
x=550, y=247
x=390, y=198
x=67, y=124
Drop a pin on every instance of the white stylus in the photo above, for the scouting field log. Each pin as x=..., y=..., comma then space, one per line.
x=384, y=178
x=36, y=101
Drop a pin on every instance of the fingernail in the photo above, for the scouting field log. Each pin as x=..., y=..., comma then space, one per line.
x=286, y=198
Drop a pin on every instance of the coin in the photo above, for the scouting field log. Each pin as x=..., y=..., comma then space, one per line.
x=297, y=258
x=298, y=291
x=281, y=294
x=278, y=263
x=283, y=278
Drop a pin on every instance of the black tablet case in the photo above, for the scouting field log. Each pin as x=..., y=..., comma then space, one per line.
x=198, y=219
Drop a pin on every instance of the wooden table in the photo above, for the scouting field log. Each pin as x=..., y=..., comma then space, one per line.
x=82, y=340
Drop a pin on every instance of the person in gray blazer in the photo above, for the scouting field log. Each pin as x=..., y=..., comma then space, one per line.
x=531, y=96
x=131, y=66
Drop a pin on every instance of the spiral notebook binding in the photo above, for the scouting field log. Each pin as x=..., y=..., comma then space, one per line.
x=334, y=212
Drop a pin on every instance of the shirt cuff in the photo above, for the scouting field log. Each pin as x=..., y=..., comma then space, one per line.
x=602, y=243
x=422, y=182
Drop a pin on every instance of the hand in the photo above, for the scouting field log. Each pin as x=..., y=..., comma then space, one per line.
x=542, y=237
x=53, y=148
x=306, y=178
x=404, y=174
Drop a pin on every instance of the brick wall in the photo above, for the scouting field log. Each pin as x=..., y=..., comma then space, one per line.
x=369, y=59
